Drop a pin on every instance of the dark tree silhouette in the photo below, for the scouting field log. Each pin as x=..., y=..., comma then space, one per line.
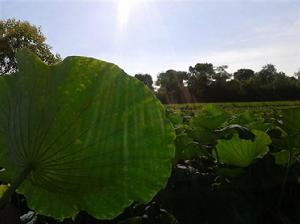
x=243, y=74
x=146, y=79
x=206, y=83
x=172, y=87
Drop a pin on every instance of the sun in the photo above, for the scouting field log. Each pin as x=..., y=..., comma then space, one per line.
x=124, y=9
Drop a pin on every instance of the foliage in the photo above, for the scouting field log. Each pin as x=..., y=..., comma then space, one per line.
x=16, y=34
x=172, y=87
x=240, y=152
x=265, y=161
x=228, y=161
x=70, y=143
x=206, y=83
x=282, y=157
x=250, y=162
x=240, y=138
x=291, y=121
x=236, y=107
x=243, y=74
x=146, y=79
x=3, y=188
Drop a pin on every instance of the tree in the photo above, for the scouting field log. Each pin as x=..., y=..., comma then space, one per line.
x=297, y=74
x=200, y=77
x=16, y=34
x=220, y=74
x=285, y=87
x=146, y=79
x=202, y=70
x=218, y=89
x=267, y=73
x=243, y=74
x=172, y=86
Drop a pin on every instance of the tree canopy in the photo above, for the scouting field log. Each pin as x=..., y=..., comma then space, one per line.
x=205, y=82
x=173, y=86
x=146, y=79
x=16, y=34
x=243, y=74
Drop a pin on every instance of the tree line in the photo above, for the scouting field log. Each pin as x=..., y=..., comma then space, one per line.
x=207, y=83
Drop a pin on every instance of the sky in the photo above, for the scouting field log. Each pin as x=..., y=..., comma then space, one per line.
x=152, y=36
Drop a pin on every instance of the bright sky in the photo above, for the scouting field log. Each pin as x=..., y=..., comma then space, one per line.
x=151, y=36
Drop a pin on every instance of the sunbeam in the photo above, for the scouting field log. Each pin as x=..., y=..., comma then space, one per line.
x=124, y=10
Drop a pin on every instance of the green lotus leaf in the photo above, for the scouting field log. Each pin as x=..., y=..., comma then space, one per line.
x=175, y=118
x=3, y=188
x=291, y=121
x=241, y=152
x=210, y=118
x=82, y=135
x=203, y=125
x=282, y=157
x=250, y=120
x=186, y=148
x=4, y=178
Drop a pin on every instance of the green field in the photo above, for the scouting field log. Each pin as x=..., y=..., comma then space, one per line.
x=236, y=106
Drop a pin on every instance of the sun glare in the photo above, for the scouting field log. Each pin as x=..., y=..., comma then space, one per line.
x=124, y=9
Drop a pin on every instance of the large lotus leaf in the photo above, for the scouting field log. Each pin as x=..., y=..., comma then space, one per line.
x=210, y=118
x=203, y=136
x=94, y=138
x=203, y=125
x=241, y=152
x=291, y=121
